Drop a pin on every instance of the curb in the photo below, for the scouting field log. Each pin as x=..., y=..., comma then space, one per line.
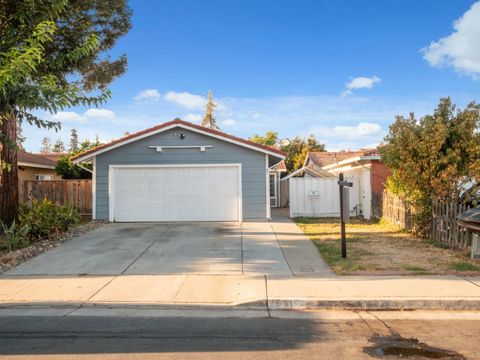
x=379, y=305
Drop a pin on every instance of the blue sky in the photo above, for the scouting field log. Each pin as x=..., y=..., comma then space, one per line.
x=339, y=69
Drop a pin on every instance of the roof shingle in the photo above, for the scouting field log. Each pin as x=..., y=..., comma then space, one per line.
x=325, y=158
x=34, y=159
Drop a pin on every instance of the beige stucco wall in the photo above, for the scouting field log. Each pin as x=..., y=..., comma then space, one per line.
x=28, y=173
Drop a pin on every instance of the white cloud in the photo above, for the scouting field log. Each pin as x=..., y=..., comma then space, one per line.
x=148, y=94
x=363, y=129
x=193, y=117
x=361, y=82
x=186, y=100
x=69, y=116
x=461, y=49
x=229, y=122
x=99, y=114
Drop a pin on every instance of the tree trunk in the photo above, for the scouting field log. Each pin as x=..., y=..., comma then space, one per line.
x=9, y=173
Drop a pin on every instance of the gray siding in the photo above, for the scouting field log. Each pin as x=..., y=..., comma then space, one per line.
x=138, y=153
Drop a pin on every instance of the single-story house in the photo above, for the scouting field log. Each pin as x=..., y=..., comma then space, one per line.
x=179, y=171
x=36, y=166
x=364, y=168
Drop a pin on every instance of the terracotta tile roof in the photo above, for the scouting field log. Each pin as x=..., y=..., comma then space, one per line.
x=179, y=122
x=280, y=166
x=36, y=159
x=325, y=158
x=51, y=156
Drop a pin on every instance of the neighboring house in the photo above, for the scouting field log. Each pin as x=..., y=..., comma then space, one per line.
x=179, y=171
x=365, y=167
x=36, y=167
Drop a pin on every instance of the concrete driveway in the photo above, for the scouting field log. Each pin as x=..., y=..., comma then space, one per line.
x=276, y=248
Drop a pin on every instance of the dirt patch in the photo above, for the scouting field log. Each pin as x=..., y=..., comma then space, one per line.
x=382, y=249
x=10, y=259
x=395, y=345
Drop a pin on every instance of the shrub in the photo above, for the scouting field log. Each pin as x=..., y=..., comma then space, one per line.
x=46, y=218
x=15, y=236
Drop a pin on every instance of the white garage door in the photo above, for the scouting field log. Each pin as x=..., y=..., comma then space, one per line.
x=176, y=193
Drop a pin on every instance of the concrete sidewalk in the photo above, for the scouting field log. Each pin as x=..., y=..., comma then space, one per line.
x=384, y=293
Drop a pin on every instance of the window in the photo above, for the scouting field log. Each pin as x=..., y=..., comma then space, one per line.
x=43, y=177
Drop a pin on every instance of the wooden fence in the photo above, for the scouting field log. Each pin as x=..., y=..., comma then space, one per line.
x=444, y=226
x=396, y=211
x=77, y=193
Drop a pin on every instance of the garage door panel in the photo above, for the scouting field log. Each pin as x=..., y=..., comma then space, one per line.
x=199, y=193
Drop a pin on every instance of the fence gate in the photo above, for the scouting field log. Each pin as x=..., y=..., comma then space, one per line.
x=318, y=197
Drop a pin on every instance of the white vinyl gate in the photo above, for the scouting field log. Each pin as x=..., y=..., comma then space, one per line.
x=319, y=197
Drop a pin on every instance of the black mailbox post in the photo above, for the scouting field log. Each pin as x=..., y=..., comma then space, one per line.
x=343, y=208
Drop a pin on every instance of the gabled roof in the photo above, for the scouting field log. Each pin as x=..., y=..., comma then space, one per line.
x=281, y=166
x=34, y=160
x=183, y=124
x=311, y=170
x=327, y=158
x=52, y=156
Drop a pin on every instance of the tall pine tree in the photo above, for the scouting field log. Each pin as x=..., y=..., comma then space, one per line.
x=209, y=120
x=46, y=146
x=73, y=141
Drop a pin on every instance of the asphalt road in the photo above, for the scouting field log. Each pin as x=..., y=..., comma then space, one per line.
x=324, y=335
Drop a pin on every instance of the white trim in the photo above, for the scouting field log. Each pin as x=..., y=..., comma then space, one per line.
x=21, y=163
x=293, y=173
x=354, y=159
x=111, y=218
x=94, y=188
x=267, y=188
x=111, y=183
x=127, y=141
x=202, y=148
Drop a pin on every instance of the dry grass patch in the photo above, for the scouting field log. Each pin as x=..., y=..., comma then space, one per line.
x=382, y=249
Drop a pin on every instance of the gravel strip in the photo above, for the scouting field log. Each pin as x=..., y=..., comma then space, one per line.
x=10, y=259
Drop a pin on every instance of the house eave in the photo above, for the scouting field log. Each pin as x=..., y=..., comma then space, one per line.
x=352, y=160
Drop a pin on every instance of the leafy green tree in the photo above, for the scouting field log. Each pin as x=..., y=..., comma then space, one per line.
x=434, y=158
x=270, y=138
x=73, y=147
x=297, y=149
x=46, y=146
x=53, y=55
x=68, y=170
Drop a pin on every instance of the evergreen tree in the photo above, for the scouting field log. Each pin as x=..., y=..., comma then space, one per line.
x=73, y=141
x=46, y=146
x=54, y=54
x=58, y=147
x=209, y=120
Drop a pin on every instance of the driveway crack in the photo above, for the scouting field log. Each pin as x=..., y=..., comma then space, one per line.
x=147, y=248
x=281, y=249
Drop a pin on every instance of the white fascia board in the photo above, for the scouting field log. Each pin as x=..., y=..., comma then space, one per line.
x=21, y=163
x=293, y=173
x=239, y=143
x=352, y=160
